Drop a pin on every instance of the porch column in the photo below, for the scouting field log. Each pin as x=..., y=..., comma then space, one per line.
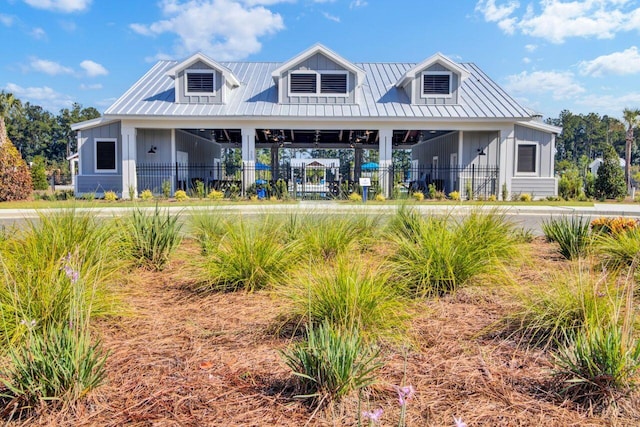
x=248, y=157
x=385, y=161
x=129, y=155
x=506, y=156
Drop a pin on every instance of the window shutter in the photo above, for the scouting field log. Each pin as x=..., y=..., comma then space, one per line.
x=200, y=82
x=526, y=158
x=303, y=83
x=436, y=84
x=333, y=83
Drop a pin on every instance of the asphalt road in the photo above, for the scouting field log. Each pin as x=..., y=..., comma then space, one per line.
x=530, y=216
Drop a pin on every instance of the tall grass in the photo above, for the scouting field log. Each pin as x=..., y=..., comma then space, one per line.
x=152, y=238
x=331, y=363
x=350, y=296
x=571, y=233
x=618, y=250
x=207, y=227
x=568, y=301
x=437, y=256
x=248, y=257
x=327, y=236
x=31, y=265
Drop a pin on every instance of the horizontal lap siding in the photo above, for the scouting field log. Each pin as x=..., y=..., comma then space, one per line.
x=99, y=183
x=537, y=187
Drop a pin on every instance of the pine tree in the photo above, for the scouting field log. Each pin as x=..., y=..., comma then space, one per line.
x=610, y=182
x=39, y=174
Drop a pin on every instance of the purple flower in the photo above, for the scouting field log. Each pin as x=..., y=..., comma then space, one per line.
x=71, y=273
x=405, y=394
x=459, y=422
x=372, y=415
x=29, y=324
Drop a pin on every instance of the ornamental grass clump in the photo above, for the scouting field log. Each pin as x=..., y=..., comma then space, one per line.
x=331, y=363
x=617, y=250
x=439, y=256
x=207, y=227
x=350, y=296
x=571, y=233
x=57, y=361
x=152, y=238
x=35, y=287
x=327, y=236
x=568, y=301
x=247, y=257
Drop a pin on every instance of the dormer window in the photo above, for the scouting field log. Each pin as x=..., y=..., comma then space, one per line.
x=436, y=84
x=200, y=81
x=318, y=83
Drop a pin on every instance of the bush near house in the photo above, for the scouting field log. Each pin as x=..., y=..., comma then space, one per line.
x=610, y=183
x=15, y=179
x=39, y=174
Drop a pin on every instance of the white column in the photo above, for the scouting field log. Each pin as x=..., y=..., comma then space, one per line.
x=507, y=158
x=129, y=154
x=385, y=162
x=248, y=157
x=174, y=178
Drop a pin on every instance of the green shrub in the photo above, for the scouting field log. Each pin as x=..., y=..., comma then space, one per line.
x=15, y=179
x=431, y=189
x=215, y=195
x=166, y=188
x=180, y=195
x=246, y=258
x=331, y=363
x=598, y=362
x=355, y=197
x=326, y=236
x=110, y=196
x=380, y=197
x=610, y=182
x=438, y=256
x=198, y=189
x=350, y=297
x=281, y=189
x=39, y=174
x=418, y=196
x=152, y=238
x=618, y=250
x=571, y=233
x=505, y=192
x=525, y=197
x=455, y=195
x=146, y=195
x=493, y=198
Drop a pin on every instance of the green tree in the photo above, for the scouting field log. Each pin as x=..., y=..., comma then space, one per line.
x=39, y=174
x=631, y=118
x=610, y=182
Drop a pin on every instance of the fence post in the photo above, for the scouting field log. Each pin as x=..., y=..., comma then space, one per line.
x=473, y=181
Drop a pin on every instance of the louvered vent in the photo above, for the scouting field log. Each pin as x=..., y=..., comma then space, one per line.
x=303, y=83
x=200, y=82
x=333, y=83
x=436, y=84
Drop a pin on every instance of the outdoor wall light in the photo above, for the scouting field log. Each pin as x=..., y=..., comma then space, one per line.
x=481, y=152
x=152, y=150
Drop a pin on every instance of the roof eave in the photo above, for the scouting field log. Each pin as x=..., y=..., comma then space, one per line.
x=438, y=57
x=88, y=124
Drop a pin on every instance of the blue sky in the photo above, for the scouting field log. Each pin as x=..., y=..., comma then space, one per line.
x=550, y=54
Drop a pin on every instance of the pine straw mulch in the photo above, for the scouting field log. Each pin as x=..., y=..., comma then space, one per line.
x=184, y=359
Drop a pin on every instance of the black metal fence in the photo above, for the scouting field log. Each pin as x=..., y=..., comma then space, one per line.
x=318, y=182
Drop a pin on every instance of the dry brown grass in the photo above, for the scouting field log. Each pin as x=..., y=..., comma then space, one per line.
x=184, y=359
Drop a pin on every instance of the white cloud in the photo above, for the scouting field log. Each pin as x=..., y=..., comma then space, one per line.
x=38, y=33
x=531, y=47
x=93, y=69
x=620, y=63
x=6, y=20
x=95, y=86
x=357, y=3
x=561, y=85
x=234, y=36
x=48, y=67
x=43, y=96
x=557, y=20
x=611, y=105
x=60, y=5
x=68, y=26
x=526, y=60
x=331, y=17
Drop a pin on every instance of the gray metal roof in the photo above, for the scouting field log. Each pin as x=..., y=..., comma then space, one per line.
x=480, y=98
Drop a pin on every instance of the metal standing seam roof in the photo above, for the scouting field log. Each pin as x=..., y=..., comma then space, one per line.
x=153, y=95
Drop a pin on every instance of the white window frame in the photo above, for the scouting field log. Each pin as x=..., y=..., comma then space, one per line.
x=318, y=84
x=95, y=155
x=536, y=160
x=198, y=71
x=436, y=73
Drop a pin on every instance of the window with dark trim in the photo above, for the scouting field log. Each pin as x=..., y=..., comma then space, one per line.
x=436, y=84
x=333, y=83
x=527, y=158
x=303, y=83
x=200, y=82
x=105, y=155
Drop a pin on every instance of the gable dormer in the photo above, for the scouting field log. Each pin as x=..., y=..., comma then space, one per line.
x=318, y=76
x=434, y=81
x=201, y=80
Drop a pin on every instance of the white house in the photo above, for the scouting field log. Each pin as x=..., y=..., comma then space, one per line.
x=176, y=122
x=595, y=165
